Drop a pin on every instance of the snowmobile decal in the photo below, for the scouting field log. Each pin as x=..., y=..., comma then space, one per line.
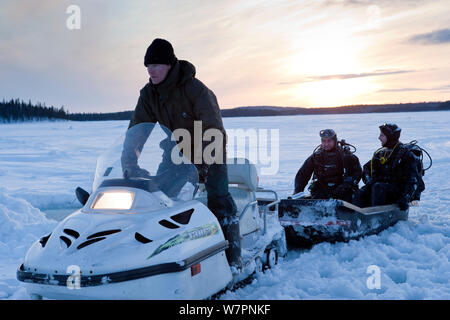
x=193, y=234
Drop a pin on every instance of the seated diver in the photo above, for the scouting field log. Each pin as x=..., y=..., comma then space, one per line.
x=390, y=175
x=337, y=171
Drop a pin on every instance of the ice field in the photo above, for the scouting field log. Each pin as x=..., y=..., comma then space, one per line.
x=41, y=164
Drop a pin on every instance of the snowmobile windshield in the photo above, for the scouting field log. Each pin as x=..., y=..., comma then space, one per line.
x=147, y=157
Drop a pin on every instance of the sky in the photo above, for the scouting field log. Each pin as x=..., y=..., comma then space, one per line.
x=306, y=53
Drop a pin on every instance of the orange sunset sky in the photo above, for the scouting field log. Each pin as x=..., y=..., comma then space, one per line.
x=315, y=53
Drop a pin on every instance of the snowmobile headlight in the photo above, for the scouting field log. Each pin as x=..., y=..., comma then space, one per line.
x=118, y=200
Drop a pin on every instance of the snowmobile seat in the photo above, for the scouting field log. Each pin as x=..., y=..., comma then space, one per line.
x=243, y=173
x=243, y=182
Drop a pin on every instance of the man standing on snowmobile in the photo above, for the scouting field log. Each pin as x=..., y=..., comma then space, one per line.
x=390, y=176
x=175, y=98
x=336, y=170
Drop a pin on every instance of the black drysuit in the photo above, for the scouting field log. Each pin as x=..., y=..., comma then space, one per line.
x=336, y=174
x=389, y=177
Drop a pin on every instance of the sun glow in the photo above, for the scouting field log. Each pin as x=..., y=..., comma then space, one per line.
x=324, y=69
x=332, y=93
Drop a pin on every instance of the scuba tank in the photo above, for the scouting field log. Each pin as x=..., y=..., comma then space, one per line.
x=417, y=153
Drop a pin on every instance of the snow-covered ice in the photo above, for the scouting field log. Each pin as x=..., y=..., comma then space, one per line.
x=41, y=164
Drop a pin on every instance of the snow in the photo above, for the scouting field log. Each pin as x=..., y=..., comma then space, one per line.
x=41, y=164
x=20, y=225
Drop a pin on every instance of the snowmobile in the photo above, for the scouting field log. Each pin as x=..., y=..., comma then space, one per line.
x=151, y=236
x=310, y=221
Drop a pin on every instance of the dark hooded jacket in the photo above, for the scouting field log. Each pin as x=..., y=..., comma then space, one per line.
x=178, y=101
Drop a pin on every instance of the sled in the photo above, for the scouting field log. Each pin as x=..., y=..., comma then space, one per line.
x=311, y=221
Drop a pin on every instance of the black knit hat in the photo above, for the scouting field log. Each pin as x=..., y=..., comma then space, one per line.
x=160, y=51
x=391, y=131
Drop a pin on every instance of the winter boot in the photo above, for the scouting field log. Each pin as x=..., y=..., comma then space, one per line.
x=230, y=226
x=225, y=210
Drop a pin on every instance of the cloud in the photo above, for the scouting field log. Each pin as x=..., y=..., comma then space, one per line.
x=440, y=88
x=402, y=90
x=434, y=37
x=240, y=49
x=383, y=3
x=382, y=72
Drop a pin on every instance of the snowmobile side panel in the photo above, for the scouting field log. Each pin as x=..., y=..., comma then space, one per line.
x=101, y=279
x=168, y=286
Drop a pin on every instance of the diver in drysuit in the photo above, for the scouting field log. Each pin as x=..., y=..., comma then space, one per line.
x=336, y=171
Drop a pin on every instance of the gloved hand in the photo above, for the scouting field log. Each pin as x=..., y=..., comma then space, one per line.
x=202, y=171
x=342, y=189
x=135, y=172
x=370, y=181
x=366, y=178
x=403, y=203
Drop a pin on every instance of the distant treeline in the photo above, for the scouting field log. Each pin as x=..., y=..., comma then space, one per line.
x=284, y=111
x=18, y=111
x=123, y=115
